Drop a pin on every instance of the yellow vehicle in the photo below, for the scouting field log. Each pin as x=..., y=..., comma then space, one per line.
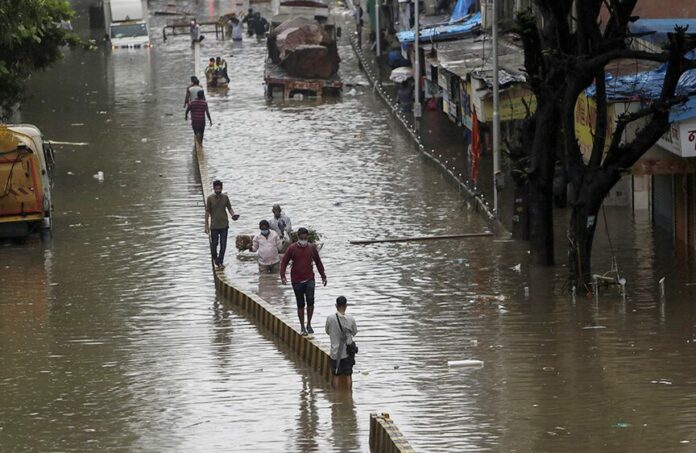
x=26, y=164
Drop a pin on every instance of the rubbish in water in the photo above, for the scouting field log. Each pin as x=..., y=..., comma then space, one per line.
x=621, y=425
x=474, y=343
x=526, y=291
x=466, y=363
x=99, y=176
x=352, y=92
x=594, y=327
x=53, y=142
x=517, y=268
x=490, y=297
x=549, y=368
x=396, y=367
x=71, y=173
x=662, y=381
x=365, y=373
x=77, y=124
x=144, y=140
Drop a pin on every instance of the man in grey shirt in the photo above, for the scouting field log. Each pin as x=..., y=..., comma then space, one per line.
x=341, y=329
x=280, y=222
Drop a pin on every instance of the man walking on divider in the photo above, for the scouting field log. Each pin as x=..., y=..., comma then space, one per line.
x=341, y=329
x=199, y=110
x=215, y=208
x=302, y=253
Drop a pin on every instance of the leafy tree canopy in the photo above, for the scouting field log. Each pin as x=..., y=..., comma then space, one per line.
x=31, y=39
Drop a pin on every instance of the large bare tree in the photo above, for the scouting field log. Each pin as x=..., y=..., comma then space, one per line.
x=563, y=57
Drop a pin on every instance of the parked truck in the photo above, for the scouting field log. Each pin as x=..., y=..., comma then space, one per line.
x=303, y=55
x=126, y=23
x=26, y=167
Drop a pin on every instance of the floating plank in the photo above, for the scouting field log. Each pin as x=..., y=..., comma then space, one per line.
x=424, y=238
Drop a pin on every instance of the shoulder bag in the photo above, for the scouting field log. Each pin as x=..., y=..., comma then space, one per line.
x=351, y=348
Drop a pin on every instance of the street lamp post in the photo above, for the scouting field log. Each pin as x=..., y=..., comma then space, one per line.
x=416, y=64
x=496, y=112
x=378, y=32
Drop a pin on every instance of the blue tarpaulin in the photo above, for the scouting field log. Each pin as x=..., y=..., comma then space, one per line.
x=461, y=10
x=660, y=27
x=443, y=32
x=648, y=85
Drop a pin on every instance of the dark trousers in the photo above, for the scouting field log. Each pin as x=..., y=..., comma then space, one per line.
x=198, y=130
x=304, y=292
x=215, y=236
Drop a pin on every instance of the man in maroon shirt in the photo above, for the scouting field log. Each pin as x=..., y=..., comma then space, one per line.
x=199, y=109
x=302, y=253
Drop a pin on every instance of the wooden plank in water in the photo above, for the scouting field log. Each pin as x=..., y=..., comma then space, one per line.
x=424, y=238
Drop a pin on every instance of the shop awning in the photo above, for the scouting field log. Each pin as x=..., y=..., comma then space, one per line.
x=471, y=57
x=448, y=31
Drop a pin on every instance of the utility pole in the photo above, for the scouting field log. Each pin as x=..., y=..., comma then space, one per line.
x=416, y=65
x=496, y=112
x=378, y=32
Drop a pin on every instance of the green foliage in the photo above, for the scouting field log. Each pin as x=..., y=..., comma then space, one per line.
x=31, y=39
x=313, y=235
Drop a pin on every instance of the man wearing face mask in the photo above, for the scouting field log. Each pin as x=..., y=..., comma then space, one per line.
x=302, y=254
x=215, y=208
x=267, y=244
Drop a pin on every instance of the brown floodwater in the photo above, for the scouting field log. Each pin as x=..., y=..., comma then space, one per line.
x=112, y=336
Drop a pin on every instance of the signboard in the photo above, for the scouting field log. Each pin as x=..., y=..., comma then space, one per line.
x=443, y=80
x=586, y=121
x=687, y=135
x=512, y=102
x=670, y=140
x=465, y=103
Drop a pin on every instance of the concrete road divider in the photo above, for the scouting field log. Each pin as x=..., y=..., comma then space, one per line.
x=385, y=437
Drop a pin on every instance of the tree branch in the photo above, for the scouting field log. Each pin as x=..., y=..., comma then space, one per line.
x=600, y=136
x=659, y=123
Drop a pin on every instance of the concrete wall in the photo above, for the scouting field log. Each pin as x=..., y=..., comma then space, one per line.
x=665, y=9
x=385, y=436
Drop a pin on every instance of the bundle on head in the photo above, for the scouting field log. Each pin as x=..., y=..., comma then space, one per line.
x=243, y=242
x=313, y=236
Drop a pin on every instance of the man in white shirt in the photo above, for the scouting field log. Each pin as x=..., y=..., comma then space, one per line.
x=341, y=329
x=267, y=243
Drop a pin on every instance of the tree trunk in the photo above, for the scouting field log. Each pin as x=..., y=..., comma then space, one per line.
x=593, y=188
x=543, y=160
x=583, y=224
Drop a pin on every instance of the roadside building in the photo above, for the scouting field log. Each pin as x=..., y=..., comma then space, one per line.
x=661, y=187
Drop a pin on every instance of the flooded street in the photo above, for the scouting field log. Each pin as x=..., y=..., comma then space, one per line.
x=112, y=337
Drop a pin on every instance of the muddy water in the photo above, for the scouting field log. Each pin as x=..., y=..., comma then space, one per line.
x=112, y=338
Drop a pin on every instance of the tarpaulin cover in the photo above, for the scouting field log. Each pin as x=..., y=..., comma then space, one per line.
x=443, y=32
x=461, y=10
x=660, y=27
x=648, y=85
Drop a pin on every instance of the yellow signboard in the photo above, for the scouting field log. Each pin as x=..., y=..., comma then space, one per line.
x=586, y=122
x=512, y=104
